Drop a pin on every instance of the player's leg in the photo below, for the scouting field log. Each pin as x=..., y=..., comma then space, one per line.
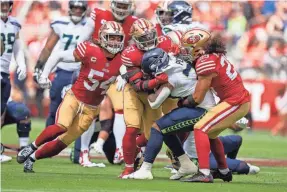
x=5, y=94
x=80, y=123
x=181, y=119
x=206, y=131
x=231, y=144
x=168, y=105
x=62, y=79
x=133, y=110
x=66, y=113
x=110, y=148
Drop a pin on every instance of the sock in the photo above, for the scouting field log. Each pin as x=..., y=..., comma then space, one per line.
x=146, y=166
x=129, y=145
x=218, y=152
x=50, y=149
x=153, y=146
x=141, y=141
x=119, y=129
x=184, y=160
x=205, y=171
x=87, y=136
x=101, y=142
x=202, y=148
x=48, y=134
x=174, y=144
x=189, y=146
x=224, y=171
x=23, y=141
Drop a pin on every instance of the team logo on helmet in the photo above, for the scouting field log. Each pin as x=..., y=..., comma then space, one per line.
x=193, y=39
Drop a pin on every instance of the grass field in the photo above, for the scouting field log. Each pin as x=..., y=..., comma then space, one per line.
x=58, y=174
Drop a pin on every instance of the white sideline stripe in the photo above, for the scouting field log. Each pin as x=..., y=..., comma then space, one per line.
x=78, y=190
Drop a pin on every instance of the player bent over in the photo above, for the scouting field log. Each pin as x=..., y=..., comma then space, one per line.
x=215, y=72
x=80, y=106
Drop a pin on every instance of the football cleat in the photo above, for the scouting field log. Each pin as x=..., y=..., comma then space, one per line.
x=127, y=171
x=199, y=177
x=23, y=154
x=253, y=169
x=118, y=158
x=97, y=148
x=185, y=171
x=85, y=160
x=141, y=174
x=5, y=158
x=28, y=165
x=218, y=175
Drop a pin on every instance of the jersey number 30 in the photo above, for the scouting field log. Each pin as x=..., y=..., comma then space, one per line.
x=95, y=83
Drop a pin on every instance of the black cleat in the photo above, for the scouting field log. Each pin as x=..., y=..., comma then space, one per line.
x=218, y=175
x=199, y=177
x=28, y=165
x=23, y=154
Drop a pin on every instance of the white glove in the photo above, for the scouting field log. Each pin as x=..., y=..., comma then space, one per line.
x=44, y=82
x=242, y=123
x=21, y=71
x=65, y=90
x=97, y=147
x=120, y=83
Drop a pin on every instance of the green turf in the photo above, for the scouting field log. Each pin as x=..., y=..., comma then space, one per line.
x=259, y=144
x=59, y=174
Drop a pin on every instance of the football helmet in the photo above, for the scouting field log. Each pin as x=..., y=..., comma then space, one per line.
x=112, y=37
x=122, y=8
x=163, y=14
x=144, y=34
x=154, y=60
x=181, y=11
x=4, y=12
x=193, y=42
x=77, y=3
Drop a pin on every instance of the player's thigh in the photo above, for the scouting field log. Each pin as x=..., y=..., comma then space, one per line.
x=227, y=119
x=168, y=105
x=133, y=108
x=5, y=91
x=180, y=119
x=116, y=97
x=106, y=109
x=149, y=118
x=67, y=110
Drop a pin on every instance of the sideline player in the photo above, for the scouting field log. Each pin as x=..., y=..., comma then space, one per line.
x=80, y=106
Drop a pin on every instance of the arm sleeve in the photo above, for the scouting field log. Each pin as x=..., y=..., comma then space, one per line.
x=163, y=95
x=81, y=50
x=87, y=30
x=19, y=53
x=65, y=56
x=205, y=66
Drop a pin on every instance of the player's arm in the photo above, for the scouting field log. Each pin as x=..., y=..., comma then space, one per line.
x=19, y=57
x=155, y=100
x=47, y=50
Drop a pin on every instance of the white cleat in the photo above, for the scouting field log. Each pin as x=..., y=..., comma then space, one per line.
x=185, y=171
x=97, y=148
x=5, y=158
x=141, y=174
x=119, y=157
x=253, y=169
x=85, y=160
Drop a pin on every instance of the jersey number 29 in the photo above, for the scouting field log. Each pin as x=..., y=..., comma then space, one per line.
x=95, y=83
x=231, y=75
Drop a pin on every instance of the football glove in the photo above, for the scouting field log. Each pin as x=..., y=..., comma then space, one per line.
x=44, y=82
x=21, y=71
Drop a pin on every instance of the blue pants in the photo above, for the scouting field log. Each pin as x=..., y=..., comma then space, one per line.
x=231, y=145
x=180, y=119
x=62, y=79
x=109, y=148
x=5, y=90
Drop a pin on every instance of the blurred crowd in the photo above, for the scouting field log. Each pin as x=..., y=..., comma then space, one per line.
x=255, y=33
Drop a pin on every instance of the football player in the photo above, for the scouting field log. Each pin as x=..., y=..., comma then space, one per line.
x=121, y=11
x=215, y=72
x=80, y=106
x=18, y=113
x=10, y=28
x=180, y=82
x=137, y=112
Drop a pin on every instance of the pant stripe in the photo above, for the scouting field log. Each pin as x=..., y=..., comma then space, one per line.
x=57, y=112
x=220, y=117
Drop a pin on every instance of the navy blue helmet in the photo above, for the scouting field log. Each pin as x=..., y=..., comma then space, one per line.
x=181, y=11
x=5, y=14
x=154, y=60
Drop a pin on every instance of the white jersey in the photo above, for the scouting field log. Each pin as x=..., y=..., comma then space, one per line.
x=9, y=31
x=183, y=27
x=69, y=34
x=183, y=78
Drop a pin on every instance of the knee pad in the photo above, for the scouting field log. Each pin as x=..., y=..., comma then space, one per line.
x=19, y=111
x=23, y=129
x=107, y=125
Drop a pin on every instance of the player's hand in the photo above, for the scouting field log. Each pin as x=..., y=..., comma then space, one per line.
x=21, y=71
x=162, y=78
x=97, y=148
x=44, y=82
x=120, y=83
x=37, y=74
x=65, y=90
x=242, y=123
